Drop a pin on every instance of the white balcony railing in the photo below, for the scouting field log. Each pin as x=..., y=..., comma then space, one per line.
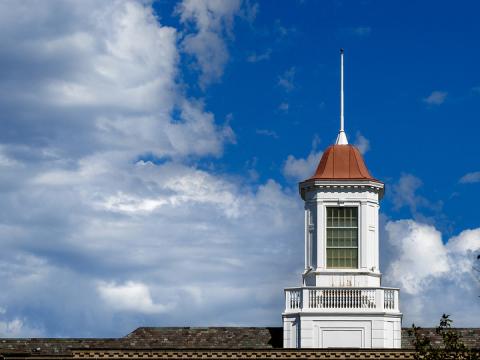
x=341, y=299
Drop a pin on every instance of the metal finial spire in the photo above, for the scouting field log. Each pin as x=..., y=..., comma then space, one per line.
x=342, y=137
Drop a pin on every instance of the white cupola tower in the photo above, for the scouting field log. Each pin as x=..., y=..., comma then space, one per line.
x=341, y=302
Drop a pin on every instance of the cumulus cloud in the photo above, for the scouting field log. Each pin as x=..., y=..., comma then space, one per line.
x=468, y=178
x=434, y=276
x=302, y=168
x=106, y=221
x=436, y=98
x=111, y=90
x=405, y=194
x=89, y=217
x=130, y=296
x=421, y=255
x=212, y=19
x=257, y=57
x=362, y=143
x=17, y=328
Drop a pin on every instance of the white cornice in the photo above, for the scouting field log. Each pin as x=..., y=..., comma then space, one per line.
x=311, y=184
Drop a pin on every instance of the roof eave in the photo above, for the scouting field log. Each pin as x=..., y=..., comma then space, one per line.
x=313, y=182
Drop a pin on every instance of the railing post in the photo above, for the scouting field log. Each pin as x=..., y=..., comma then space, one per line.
x=380, y=299
x=396, y=300
x=287, y=299
x=305, y=298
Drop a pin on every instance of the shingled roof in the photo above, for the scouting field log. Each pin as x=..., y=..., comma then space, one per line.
x=216, y=342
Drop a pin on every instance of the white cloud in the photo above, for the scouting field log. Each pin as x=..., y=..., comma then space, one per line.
x=405, y=194
x=256, y=57
x=267, y=132
x=102, y=186
x=284, y=106
x=362, y=30
x=131, y=296
x=469, y=178
x=421, y=255
x=434, y=277
x=301, y=168
x=17, y=328
x=212, y=19
x=108, y=88
x=287, y=79
x=362, y=143
x=284, y=31
x=103, y=208
x=436, y=98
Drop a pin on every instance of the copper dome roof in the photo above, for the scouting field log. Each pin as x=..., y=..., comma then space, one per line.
x=342, y=162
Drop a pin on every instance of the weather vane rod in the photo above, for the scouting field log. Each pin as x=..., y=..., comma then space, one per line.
x=342, y=137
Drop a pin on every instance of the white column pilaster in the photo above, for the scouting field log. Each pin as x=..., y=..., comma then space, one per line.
x=320, y=235
x=363, y=235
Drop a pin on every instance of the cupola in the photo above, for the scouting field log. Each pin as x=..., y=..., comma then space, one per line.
x=341, y=302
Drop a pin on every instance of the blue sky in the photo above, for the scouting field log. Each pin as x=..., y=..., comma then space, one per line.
x=150, y=155
x=397, y=55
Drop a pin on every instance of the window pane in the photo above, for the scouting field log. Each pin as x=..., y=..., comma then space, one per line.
x=342, y=237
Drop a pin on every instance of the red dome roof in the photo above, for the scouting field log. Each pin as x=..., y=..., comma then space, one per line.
x=342, y=162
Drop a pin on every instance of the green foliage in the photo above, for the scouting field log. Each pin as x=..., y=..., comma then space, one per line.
x=453, y=347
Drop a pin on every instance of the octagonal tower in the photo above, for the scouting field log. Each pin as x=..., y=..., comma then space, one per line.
x=341, y=302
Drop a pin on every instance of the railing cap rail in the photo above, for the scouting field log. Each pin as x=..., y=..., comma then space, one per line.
x=341, y=288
